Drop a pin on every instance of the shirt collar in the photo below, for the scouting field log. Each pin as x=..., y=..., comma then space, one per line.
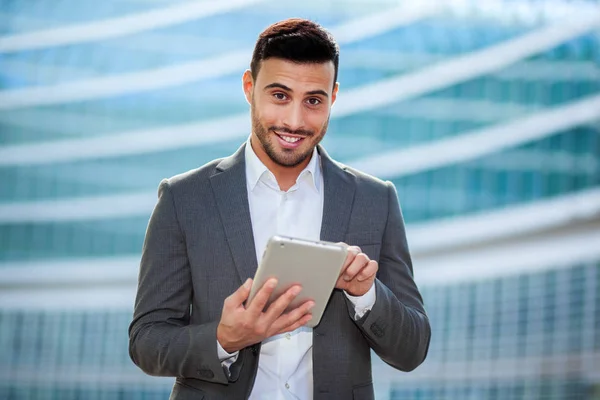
x=256, y=170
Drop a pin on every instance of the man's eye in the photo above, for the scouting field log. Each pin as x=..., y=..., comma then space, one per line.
x=280, y=96
x=313, y=101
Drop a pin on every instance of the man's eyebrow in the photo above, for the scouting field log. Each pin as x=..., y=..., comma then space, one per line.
x=319, y=91
x=282, y=86
x=278, y=85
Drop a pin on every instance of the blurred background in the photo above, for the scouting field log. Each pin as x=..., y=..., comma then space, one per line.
x=485, y=115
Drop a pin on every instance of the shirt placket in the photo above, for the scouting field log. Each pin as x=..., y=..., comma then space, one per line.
x=287, y=341
x=289, y=344
x=285, y=216
x=279, y=199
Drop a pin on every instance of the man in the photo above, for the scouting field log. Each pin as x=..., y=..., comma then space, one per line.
x=210, y=226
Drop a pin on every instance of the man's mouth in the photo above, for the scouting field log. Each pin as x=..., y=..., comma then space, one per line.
x=289, y=141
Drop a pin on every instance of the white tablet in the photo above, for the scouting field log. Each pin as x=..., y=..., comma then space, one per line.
x=316, y=265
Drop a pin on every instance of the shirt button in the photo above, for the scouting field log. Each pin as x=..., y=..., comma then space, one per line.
x=288, y=336
x=287, y=385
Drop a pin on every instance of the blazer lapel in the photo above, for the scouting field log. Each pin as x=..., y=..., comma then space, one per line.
x=231, y=195
x=338, y=198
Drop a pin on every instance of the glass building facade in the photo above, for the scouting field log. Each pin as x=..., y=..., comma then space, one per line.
x=89, y=127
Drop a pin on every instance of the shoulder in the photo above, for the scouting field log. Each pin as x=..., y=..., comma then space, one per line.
x=197, y=179
x=365, y=181
x=190, y=181
x=195, y=175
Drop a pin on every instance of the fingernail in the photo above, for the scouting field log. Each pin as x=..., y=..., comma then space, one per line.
x=347, y=278
x=272, y=283
x=296, y=290
x=248, y=283
x=311, y=305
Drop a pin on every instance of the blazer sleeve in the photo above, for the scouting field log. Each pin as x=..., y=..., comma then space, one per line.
x=397, y=327
x=161, y=340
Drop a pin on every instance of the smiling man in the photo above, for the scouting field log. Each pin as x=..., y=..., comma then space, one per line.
x=210, y=226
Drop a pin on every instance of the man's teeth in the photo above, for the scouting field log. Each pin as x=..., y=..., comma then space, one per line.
x=289, y=139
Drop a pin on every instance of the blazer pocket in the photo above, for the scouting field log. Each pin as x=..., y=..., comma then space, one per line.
x=363, y=392
x=368, y=241
x=363, y=238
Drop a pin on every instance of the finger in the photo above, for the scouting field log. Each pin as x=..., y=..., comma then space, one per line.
x=295, y=325
x=293, y=316
x=341, y=283
x=368, y=271
x=282, y=302
x=301, y=322
x=360, y=262
x=353, y=251
x=239, y=296
x=257, y=305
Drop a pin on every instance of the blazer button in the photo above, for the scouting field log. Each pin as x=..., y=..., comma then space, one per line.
x=377, y=330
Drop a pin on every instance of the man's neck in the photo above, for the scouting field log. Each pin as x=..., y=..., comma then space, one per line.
x=286, y=176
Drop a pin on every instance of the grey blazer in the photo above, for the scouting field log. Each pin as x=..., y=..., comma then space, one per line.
x=199, y=248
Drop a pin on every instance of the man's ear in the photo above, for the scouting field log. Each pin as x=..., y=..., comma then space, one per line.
x=247, y=85
x=334, y=93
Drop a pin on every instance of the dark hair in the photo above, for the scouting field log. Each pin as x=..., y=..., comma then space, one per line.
x=298, y=40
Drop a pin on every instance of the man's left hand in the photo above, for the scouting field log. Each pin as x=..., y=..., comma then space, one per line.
x=358, y=273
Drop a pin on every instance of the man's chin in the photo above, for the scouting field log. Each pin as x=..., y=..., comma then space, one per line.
x=287, y=159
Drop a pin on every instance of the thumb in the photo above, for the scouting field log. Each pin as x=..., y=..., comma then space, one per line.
x=240, y=295
x=350, y=256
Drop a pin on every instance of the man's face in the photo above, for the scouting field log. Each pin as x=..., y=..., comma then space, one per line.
x=290, y=107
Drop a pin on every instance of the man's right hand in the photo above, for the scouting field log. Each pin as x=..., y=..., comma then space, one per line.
x=244, y=326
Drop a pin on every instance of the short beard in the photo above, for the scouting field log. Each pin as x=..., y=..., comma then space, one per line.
x=288, y=158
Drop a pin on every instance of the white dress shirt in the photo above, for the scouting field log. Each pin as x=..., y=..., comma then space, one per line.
x=285, y=363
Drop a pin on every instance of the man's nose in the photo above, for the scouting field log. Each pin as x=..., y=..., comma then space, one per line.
x=294, y=117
